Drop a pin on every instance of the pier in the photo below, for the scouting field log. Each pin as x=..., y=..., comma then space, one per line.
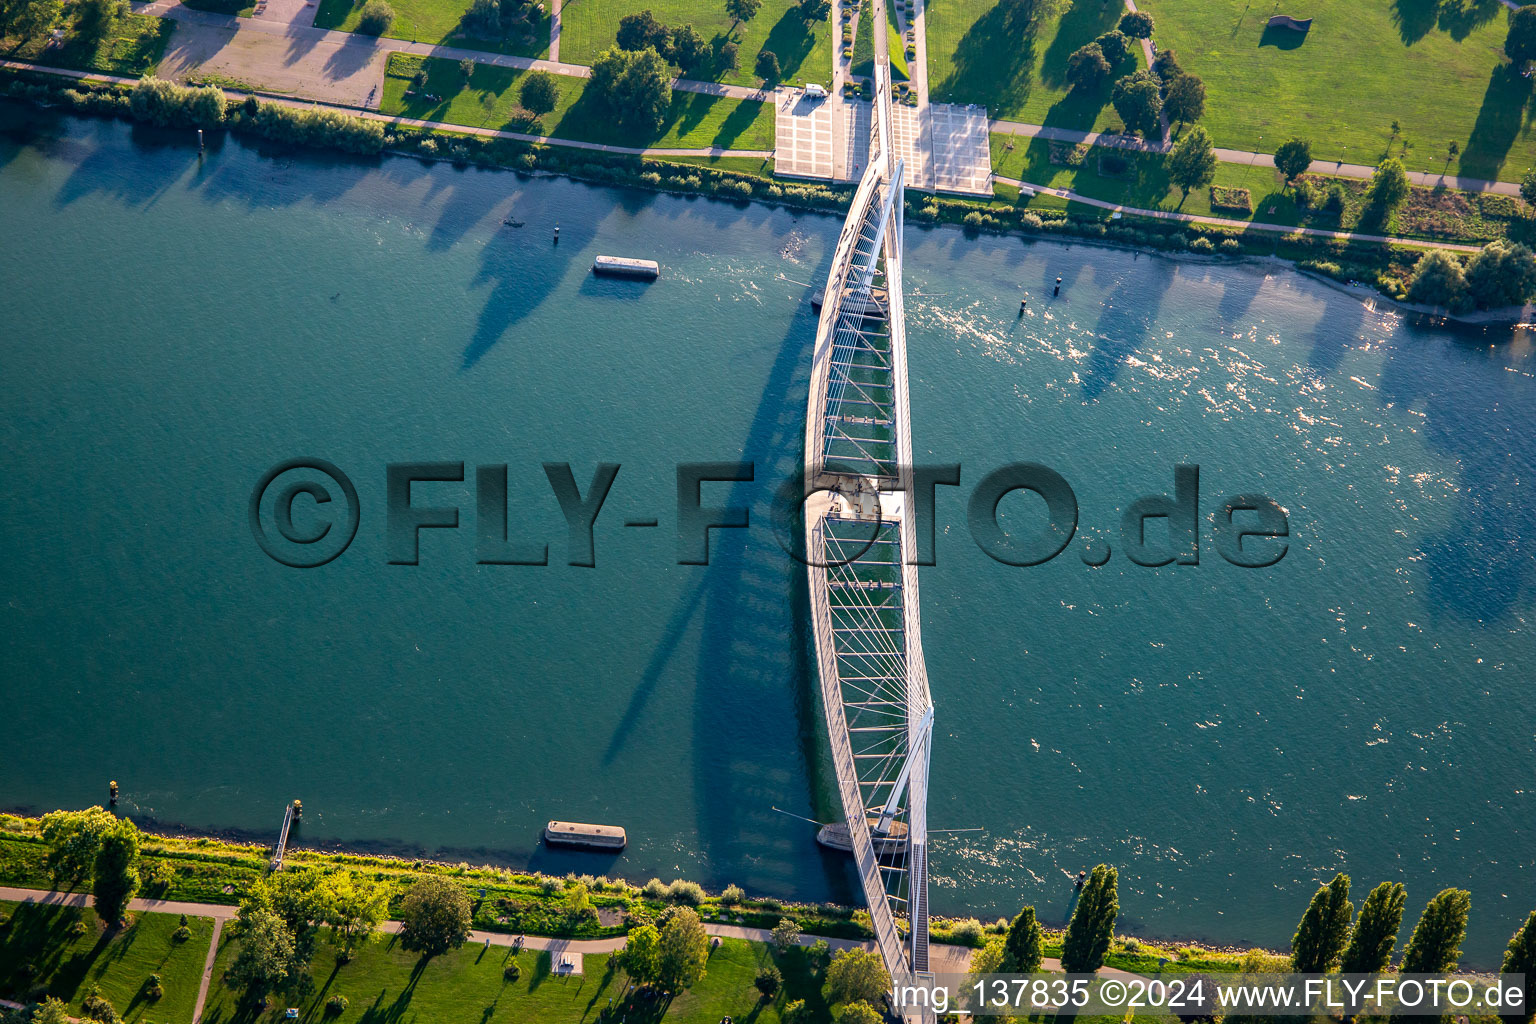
x=859, y=546
x=282, y=839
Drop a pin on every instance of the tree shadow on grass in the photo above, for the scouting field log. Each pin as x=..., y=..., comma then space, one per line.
x=1415, y=18
x=993, y=63
x=1460, y=18
x=791, y=40
x=1083, y=23
x=1499, y=123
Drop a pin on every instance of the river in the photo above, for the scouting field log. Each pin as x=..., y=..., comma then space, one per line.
x=174, y=326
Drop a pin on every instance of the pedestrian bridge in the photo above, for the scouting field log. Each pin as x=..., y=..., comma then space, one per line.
x=859, y=543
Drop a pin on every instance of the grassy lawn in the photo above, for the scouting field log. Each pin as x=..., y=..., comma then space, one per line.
x=70, y=952
x=489, y=100
x=1429, y=213
x=976, y=56
x=131, y=46
x=384, y=982
x=761, y=168
x=1432, y=65
x=804, y=48
x=438, y=21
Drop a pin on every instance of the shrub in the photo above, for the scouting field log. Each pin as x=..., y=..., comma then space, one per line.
x=1202, y=245
x=1224, y=197
x=335, y=1005
x=78, y=928
x=1305, y=194
x=153, y=989
x=786, y=933
x=376, y=18
x=550, y=886
x=1336, y=199
x=732, y=895
x=680, y=891
x=1231, y=246
x=795, y=1013
x=1031, y=221
x=511, y=972
x=973, y=220
x=966, y=933
x=768, y=981
x=655, y=889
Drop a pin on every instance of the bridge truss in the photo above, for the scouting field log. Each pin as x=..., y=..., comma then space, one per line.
x=859, y=539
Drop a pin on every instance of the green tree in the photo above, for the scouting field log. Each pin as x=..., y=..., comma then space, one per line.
x=376, y=18
x=1503, y=273
x=688, y=48
x=635, y=87
x=1324, y=928
x=1520, y=43
x=815, y=10
x=435, y=915
x=1166, y=65
x=540, y=92
x=1389, y=185
x=795, y=1012
x=1520, y=958
x=1087, y=67
x=989, y=958
x=742, y=10
x=51, y=1011
x=117, y=871
x=1115, y=46
x=1138, y=100
x=1192, y=164
x=638, y=31
x=767, y=67
x=683, y=952
x=641, y=955
x=1024, y=945
x=768, y=981
x=1093, y=922
x=1184, y=98
x=1136, y=24
x=1435, y=945
x=1293, y=158
x=27, y=19
x=354, y=904
x=267, y=957
x=1437, y=280
x=730, y=56
x=467, y=68
x=1381, y=915
x=1528, y=186
x=859, y=1013
x=857, y=975
x=75, y=838
x=786, y=934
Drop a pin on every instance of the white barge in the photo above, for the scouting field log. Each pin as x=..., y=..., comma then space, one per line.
x=623, y=266
x=592, y=837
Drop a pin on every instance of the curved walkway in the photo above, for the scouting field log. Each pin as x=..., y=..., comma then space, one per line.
x=1226, y=222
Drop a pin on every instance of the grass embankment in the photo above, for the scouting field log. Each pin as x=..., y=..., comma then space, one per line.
x=977, y=55
x=804, y=48
x=489, y=99
x=1141, y=180
x=131, y=45
x=1436, y=68
x=440, y=21
x=65, y=952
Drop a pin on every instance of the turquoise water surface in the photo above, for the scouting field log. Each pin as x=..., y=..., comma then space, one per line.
x=1226, y=736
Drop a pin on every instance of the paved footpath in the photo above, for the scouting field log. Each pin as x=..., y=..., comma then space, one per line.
x=1244, y=225
x=943, y=958
x=351, y=49
x=412, y=122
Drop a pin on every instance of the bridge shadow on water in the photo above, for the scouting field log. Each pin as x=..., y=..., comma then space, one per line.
x=750, y=610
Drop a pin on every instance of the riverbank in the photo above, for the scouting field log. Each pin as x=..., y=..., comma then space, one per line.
x=217, y=872
x=1382, y=263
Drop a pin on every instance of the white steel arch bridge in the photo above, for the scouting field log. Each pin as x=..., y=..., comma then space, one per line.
x=859, y=543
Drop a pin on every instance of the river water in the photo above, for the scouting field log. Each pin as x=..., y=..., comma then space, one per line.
x=1228, y=737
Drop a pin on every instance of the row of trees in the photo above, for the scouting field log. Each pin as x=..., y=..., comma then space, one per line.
x=1503, y=273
